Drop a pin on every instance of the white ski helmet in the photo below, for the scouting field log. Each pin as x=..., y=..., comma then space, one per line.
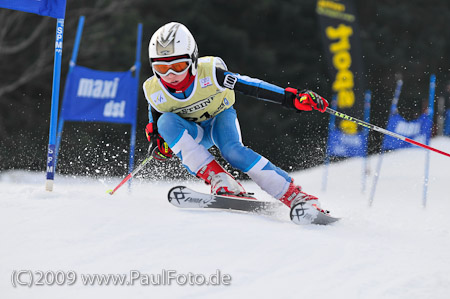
x=173, y=40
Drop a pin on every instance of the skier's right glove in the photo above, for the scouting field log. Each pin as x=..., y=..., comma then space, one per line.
x=162, y=151
x=304, y=100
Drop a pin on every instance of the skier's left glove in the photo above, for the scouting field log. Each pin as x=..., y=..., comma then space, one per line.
x=304, y=100
x=162, y=150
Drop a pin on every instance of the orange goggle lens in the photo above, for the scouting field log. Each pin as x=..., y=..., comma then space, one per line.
x=162, y=68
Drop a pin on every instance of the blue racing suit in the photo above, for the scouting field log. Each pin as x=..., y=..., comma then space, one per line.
x=189, y=139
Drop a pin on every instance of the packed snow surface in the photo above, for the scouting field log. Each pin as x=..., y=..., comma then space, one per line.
x=396, y=248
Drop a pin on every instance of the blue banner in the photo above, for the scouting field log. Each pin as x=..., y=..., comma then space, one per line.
x=418, y=130
x=52, y=8
x=345, y=145
x=447, y=123
x=92, y=95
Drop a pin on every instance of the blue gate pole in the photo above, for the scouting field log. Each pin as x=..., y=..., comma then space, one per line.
x=331, y=127
x=427, y=157
x=137, y=68
x=393, y=110
x=54, y=106
x=73, y=62
x=365, y=170
x=132, y=149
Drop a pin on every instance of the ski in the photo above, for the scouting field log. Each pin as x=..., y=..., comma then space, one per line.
x=184, y=197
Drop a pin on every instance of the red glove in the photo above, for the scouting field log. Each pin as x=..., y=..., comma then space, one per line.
x=162, y=151
x=306, y=100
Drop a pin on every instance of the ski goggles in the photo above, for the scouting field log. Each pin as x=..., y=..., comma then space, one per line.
x=177, y=67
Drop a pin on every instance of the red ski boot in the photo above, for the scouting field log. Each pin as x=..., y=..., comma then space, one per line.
x=305, y=208
x=221, y=181
x=294, y=194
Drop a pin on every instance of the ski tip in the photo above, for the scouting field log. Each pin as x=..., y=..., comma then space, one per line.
x=172, y=190
x=179, y=194
x=110, y=192
x=305, y=213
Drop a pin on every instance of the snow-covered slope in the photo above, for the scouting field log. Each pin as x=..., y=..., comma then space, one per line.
x=394, y=249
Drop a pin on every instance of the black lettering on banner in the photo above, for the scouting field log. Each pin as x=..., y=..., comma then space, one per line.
x=340, y=36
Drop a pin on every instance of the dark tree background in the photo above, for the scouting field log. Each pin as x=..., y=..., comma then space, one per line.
x=277, y=41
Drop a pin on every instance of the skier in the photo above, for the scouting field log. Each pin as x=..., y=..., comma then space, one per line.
x=191, y=109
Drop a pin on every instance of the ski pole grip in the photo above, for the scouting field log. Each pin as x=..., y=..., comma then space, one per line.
x=151, y=147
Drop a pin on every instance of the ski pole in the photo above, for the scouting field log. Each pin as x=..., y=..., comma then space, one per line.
x=133, y=173
x=384, y=131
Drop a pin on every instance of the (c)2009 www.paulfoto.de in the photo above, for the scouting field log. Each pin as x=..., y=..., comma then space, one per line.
x=30, y=278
